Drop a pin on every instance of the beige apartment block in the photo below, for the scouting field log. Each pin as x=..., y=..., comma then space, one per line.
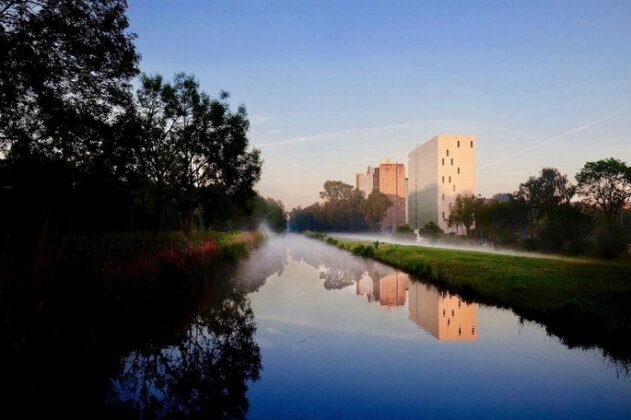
x=444, y=316
x=438, y=171
x=392, y=184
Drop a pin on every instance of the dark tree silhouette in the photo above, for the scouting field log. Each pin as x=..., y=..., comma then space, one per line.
x=65, y=64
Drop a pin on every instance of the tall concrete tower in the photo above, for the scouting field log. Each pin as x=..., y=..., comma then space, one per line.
x=438, y=171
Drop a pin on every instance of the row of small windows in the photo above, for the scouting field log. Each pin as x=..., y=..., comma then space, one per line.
x=452, y=161
x=444, y=179
x=470, y=143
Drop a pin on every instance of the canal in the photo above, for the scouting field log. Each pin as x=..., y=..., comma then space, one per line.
x=304, y=330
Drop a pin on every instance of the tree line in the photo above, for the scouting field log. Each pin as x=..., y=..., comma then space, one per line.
x=88, y=146
x=544, y=215
x=342, y=209
x=547, y=212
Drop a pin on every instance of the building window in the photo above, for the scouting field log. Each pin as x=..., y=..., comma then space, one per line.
x=443, y=179
x=447, y=152
x=443, y=162
x=472, y=144
x=452, y=161
x=443, y=196
x=443, y=215
x=458, y=143
x=450, y=179
x=449, y=206
x=454, y=187
x=458, y=170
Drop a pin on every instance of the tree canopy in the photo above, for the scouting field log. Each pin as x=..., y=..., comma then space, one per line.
x=343, y=209
x=65, y=65
x=544, y=192
x=605, y=185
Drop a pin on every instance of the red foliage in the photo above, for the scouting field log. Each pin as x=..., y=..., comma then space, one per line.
x=149, y=266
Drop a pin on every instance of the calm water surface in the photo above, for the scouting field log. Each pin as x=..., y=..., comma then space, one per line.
x=305, y=330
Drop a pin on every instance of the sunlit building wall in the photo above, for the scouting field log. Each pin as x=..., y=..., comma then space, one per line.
x=444, y=316
x=392, y=289
x=438, y=171
x=392, y=184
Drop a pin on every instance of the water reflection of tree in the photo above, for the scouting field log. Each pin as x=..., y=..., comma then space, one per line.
x=337, y=269
x=203, y=373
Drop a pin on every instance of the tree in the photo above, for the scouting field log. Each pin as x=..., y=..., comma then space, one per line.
x=431, y=230
x=336, y=190
x=375, y=208
x=65, y=65
x=606, y=186
x=271, y=212
x=565, y=228
x=544, y=192
x=502, y=221
x=464, y=211
x=190, y=144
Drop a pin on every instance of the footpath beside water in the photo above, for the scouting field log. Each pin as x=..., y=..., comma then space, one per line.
x=586, y=302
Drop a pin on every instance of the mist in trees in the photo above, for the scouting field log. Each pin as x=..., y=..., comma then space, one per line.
x=545, y=214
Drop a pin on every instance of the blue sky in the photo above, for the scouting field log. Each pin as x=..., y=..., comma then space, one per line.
x=334, y=86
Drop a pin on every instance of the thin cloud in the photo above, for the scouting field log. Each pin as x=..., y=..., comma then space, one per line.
x=258, y=119
x=269, y=133
x=551, y=140
x=304, y=168
x=330, y=135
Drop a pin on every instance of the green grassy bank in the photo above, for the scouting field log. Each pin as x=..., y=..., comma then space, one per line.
x=584, y=301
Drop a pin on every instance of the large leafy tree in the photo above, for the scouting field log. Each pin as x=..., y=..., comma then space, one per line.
x=543, y=193
x=189, y=144
x=336, y=190
x=375, y=208
x=65, y=70
x=464, y=211
x=606, y=186
x=64, y=65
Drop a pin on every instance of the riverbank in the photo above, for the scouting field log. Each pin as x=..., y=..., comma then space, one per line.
x=585, y=302
x=72, y=306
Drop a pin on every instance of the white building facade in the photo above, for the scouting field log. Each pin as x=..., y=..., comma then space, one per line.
x=438, y=171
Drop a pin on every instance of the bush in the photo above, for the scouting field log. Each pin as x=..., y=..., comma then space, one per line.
x=432, y=232
x=404, y=232
x=365, y=251
x=610, y=242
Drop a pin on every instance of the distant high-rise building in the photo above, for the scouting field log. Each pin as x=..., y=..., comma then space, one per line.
x=392, y=184
x=365, y=182
x=438, y=171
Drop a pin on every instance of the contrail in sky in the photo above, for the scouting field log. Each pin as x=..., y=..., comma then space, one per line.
x=344, y=133
x=550, y=140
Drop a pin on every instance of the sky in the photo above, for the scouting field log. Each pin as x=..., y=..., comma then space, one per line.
x=334, y=86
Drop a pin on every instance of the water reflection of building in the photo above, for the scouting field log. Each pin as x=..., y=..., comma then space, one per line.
x=388, y=290
x=444, y=316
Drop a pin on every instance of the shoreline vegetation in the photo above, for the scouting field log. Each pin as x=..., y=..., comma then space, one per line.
x=79, y=303
x=585, y=302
